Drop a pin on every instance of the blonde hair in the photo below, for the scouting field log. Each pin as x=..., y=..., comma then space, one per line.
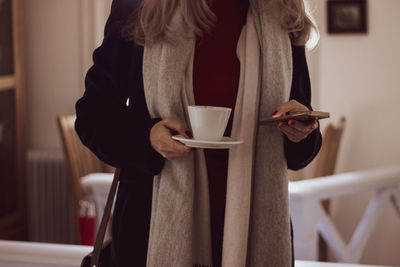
x=297, y=19
x=152, y=23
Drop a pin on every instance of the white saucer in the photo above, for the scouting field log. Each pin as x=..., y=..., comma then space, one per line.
x=226, y=142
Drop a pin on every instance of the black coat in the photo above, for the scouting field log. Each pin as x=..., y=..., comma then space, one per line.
x=119, y=133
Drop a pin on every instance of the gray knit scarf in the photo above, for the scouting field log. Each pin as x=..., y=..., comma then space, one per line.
x=256, y=229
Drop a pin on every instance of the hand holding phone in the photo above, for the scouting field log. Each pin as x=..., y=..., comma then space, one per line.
x=295, y=120
x=304, y=116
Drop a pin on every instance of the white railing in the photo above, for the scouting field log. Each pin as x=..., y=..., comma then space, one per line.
x=309, y=218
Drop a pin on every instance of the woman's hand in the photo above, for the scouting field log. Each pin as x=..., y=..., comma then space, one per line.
x=295, y=130
x=161, y=141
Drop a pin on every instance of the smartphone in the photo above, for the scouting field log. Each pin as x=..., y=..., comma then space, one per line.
x=304, y=116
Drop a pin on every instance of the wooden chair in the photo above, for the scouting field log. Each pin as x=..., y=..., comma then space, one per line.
x=80, y=160
x=325, y=165
x=326, y=160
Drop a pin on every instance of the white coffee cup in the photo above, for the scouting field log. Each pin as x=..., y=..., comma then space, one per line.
x=208, y=123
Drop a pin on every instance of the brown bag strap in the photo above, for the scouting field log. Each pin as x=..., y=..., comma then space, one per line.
x=104, y=221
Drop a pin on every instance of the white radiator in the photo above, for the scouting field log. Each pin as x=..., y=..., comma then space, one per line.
x=50, y=214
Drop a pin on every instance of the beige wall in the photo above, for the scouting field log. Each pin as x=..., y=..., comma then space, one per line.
x=52, y=67
x=60, y=36
x=358, y=76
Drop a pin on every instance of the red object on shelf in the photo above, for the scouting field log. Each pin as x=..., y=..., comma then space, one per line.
x=87, y=223
x=86, y=230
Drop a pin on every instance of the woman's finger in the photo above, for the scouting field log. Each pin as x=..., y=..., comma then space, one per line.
x=172, y=146
x=161, y=138
x=290, y=106
x=165, y=143
x=177, y=127
x=306, y=128
x=171, y=156
x=292, y=133
x=290, y=136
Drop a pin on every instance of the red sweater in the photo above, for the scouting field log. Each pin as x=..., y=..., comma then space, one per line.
x=215, y=82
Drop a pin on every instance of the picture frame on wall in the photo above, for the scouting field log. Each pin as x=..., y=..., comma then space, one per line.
x=347, y=16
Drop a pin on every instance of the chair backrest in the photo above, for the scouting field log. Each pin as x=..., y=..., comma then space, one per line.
x=80, y=160
x=325, y=165
x=326, y=160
